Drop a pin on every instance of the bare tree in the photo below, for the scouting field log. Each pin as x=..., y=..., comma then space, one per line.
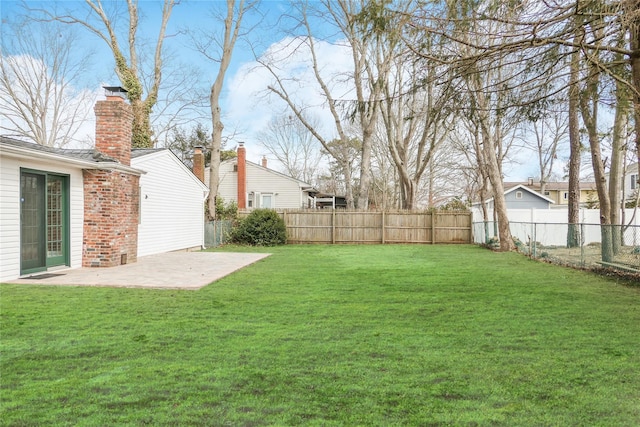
x=285, y=89
x=385, y=192
x=293, y=146
x=415, y=107
x=102, y=22
x=489, y=108
x=358, y=108
x=618, y=153
x=548, y=133
x=575, y=146
x=218, y=48
x=38, y=99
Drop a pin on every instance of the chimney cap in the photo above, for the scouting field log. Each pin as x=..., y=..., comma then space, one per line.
x=118, y=91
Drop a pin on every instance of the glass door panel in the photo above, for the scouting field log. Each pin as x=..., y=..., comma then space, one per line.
x=55, y=220
x=32, y=222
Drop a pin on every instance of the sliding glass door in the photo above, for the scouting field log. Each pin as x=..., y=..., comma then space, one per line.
x=44, y=220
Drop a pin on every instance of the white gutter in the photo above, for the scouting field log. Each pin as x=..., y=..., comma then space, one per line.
x=26, y=153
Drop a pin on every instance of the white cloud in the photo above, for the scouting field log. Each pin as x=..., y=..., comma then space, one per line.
x=32, y=97
x=250, y=105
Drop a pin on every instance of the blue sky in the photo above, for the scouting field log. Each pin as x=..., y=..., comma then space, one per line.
x=188, y=15
x=247, y=108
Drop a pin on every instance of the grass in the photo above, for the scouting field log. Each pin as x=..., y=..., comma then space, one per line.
x=331, y=336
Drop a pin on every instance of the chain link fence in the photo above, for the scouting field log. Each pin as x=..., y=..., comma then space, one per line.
x=217, y=232
x=580, y=245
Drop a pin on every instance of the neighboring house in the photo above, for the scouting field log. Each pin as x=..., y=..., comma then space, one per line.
x=631, y=182
x=522, y=197
x=253, y=186
x=558, y=192
x=62, y=208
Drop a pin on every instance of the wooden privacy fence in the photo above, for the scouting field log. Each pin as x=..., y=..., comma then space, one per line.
x=336, y=226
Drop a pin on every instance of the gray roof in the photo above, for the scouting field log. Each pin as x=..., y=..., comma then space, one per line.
x=87, y=154
x=90, y=154
x=139, y=152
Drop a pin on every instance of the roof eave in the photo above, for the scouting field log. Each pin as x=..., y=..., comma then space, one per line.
x=84, y=164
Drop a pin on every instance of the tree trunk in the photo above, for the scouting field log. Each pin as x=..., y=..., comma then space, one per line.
x=589, y=109
x=634, y=45
x=573, y=232
x=230, y=37
x=616, y=176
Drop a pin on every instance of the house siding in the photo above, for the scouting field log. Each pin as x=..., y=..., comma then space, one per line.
x=171, y=205
x=228, y=187
x=630, y=180
x=528, y=200
x=10, y=212
x=287, y=193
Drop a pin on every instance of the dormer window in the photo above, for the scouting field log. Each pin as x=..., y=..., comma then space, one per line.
x=518, y=194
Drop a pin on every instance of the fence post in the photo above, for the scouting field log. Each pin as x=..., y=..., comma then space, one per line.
x=333, y=227
x=433, y=228
x=486, y=232
x=581, y=241
x=535, y=240
x=383, y=227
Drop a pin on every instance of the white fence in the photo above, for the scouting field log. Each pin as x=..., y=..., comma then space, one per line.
x=555, y=221
x=544, y=234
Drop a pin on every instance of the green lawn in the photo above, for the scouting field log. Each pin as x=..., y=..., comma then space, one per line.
x=331, y=336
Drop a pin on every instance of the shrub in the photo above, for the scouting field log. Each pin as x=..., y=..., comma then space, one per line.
x=454, y=205
x=263, y=227
x=226, y=211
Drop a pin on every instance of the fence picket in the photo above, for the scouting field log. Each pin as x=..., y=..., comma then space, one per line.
x=367, y=227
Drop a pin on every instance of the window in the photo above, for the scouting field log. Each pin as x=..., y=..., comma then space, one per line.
x=267, y=201
x=546, y=193
x=518, y=194
x=634, y=181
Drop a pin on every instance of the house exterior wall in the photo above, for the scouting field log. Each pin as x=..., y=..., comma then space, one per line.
x=171, y=205
x=558, y=196
x=10, y=212
x=286, y=192
x=527, y=200
x=631, y=181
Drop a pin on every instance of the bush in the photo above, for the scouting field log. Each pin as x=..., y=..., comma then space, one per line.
x=226, y=211
x=263, y=227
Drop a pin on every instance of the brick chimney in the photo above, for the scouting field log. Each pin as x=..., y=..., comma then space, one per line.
x=242, y=176
x=198, y=163
x=264, y=161
x=111, y=197
x=113, y=125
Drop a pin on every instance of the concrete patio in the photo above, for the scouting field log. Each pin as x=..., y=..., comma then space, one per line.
x=172, y=270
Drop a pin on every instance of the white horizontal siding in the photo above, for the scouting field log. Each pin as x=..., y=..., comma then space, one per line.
x=10, y=212
x=228, y=188
x=286, y=191
x=171, y=203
